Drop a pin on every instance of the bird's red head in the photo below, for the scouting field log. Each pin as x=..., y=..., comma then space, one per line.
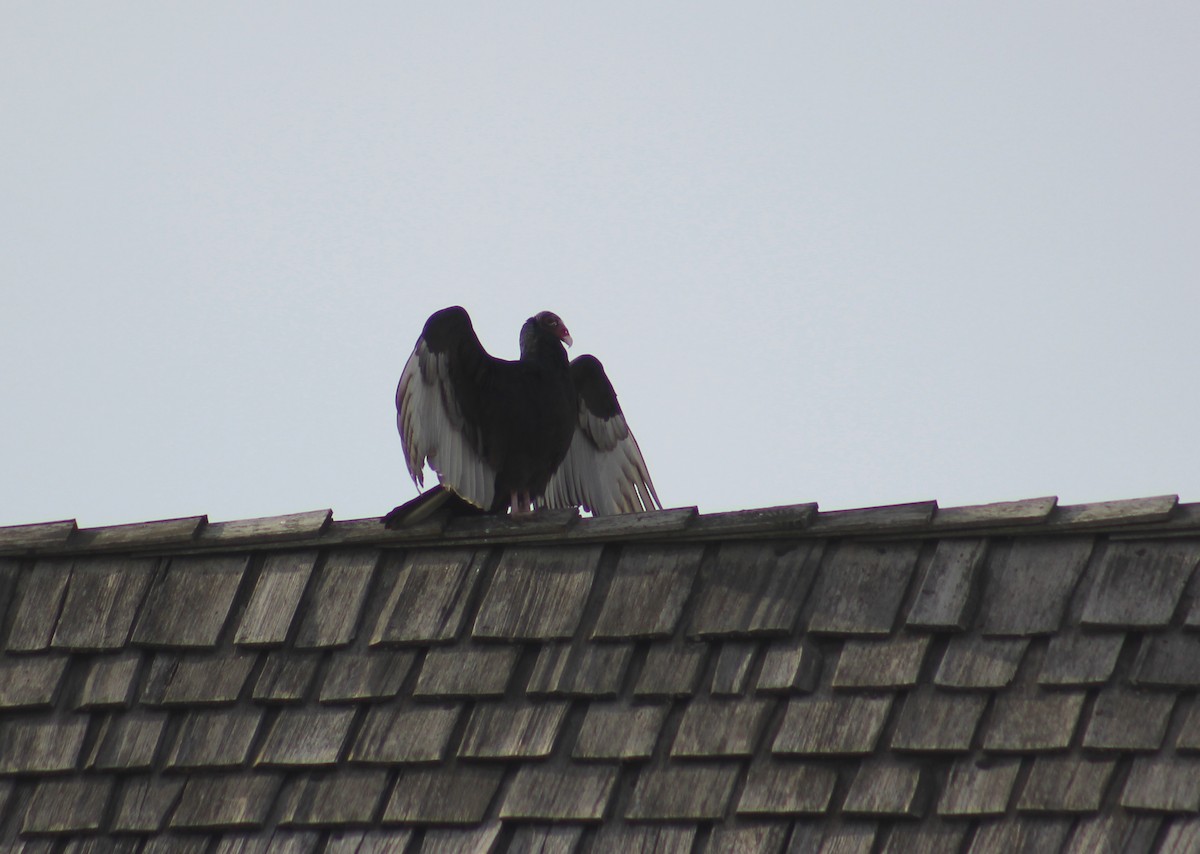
x=553, y=324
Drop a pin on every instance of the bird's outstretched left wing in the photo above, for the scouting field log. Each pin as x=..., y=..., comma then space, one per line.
x=604, y=470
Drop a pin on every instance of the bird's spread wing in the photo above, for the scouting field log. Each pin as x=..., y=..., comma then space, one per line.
x=438, y=404
x=604, y=471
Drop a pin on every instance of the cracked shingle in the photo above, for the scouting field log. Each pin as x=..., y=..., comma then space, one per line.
x=189, y=604
x=143, y=803
x=498, y=731
x=417, y=733
x=579, y=670
x=331, y=617
x=272, y=606
x=427, y=598
x=39, y=595
x=102, y=599
x=949, y=585
x=196, y=680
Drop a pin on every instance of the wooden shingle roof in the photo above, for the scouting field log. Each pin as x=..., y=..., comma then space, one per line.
x=1021, y=676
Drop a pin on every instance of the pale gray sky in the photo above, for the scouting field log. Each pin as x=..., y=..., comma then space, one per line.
x=851, y=253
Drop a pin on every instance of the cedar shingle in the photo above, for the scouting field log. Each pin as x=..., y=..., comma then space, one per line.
x=215, y=738
x=695, y=791
x=619, y=731
x=1128, y=720
x=286, y=676
x=537, y=594
x=931, y=836
x=1161, y=783
x=63, y=806
x=176, y=844
x=713, y=728
x=1138, y=584
x=481, y=840
x=498, y=731
x=225, y=801
x=846, y=725
x=974, y=662
x=39, y=594
x=777, y=787
x=884, y=787
x=109, y=681
x=643, y=839
x=1182, y=835
x=347, y=797
x=1020, y=834
x=583, y=670
x=331, y=617
x=279, y=842
x=188, y=606
x=368, y=842
x=947, y=590
x=792, y=667
x=671, y=670
x=354, y=676
x=196, y=679
x=102, y=599
x=1025, y=724
x=747, y=839
x=30, y=682
x=574, y=793
x=407, y=734
x=464, y=671
x=648, y=590
x=127, y=742
x=977, y=787
x=1189, y=736
x=539, y=839
x=306, y=737
x=40, y=745
x=733, y=668
x=451, y=795
x=276, y=595
x=753, y=588
x=1119, y=833
x=144, y=803
x=860, y=589
x=1168, y=660
x=427, y=596
x=1080, y=658
x=1066, y=784
x=893, y=663
x=1028, y=588
x=938, y=721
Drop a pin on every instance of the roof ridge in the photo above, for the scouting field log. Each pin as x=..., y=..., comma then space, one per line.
x=1160, y=514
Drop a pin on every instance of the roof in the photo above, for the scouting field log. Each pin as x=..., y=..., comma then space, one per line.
x=1014, y=676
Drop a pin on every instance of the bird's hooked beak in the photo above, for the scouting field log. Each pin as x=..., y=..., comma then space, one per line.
x=565, y=337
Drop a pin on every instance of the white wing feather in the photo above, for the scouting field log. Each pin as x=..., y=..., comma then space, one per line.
x=432, y=429
x=604, y=470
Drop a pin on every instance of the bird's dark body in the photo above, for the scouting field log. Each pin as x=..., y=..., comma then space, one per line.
x=525, y=410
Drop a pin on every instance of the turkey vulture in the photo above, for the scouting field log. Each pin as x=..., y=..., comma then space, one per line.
x=501, y=435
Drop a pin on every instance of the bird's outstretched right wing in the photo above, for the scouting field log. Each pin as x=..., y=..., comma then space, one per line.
x=439, y=404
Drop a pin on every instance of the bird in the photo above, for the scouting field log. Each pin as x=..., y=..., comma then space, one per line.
x=514, y=436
